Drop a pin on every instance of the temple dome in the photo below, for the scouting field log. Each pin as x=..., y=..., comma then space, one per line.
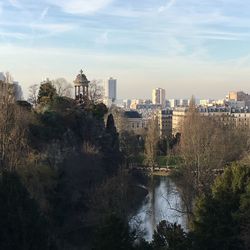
x=81, y=79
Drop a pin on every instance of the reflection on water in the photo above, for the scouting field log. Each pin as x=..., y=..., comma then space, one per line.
x=162, y=203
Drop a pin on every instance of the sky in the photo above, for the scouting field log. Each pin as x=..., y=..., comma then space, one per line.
x=188, y=47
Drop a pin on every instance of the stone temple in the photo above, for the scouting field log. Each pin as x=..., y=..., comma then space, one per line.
x=81, y=84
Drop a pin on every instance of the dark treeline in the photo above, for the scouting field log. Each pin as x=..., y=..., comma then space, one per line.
x=64, y=181
x=61, y=173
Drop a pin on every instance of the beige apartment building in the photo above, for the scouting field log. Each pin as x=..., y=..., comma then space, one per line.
x=178, y=117
x=134, y=121
x=230, y=117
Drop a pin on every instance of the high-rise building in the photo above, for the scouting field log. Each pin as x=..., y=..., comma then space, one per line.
x=159, y=96
x=110, y=89
x=174, y=103
x=126, y=103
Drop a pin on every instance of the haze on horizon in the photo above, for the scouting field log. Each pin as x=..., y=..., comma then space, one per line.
x=187, y=47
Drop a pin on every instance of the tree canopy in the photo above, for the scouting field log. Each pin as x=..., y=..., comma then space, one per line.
x=46, y=93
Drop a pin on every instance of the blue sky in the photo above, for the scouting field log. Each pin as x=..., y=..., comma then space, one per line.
x=199, y=47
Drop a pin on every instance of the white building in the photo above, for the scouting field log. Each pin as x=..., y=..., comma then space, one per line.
x=183, y=103
x=159, y=96
x=126, y=103
x=174, y=103
x=206, y=102
x=135, y=102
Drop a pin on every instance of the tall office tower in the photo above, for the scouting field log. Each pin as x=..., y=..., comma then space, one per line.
x=110, y=89
x=159, y=96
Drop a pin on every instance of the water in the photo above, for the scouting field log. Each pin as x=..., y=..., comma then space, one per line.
x=163, y=202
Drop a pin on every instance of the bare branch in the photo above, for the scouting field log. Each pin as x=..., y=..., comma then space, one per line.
x=63, y=88
x=96, y=91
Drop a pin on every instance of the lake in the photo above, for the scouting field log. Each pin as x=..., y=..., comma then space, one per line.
x=161, y=203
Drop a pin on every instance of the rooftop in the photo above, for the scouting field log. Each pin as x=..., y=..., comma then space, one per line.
x=132, y=114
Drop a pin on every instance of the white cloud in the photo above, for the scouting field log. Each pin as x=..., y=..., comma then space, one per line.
x=44, y=13
x=49, y=27
x=167, y=6
x=81, y=6
x=15, y=3
x=53, y=27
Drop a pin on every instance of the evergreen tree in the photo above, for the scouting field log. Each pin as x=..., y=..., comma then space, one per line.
x=21, y=225
x=113, y=234
x=46, y=93
x=110, y=147
x=110, y=127
x=169, y=236
x=218, y=217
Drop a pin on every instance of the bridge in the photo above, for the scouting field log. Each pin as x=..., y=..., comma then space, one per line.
x=163, y=171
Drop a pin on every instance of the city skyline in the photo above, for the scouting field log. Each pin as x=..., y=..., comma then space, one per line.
x=191, y=47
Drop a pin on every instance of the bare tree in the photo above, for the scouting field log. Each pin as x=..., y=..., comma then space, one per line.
x=151, y=140
x=13, y=135
x=33, y=93
x=202, y=149
x=63, y=88
x=95, y=91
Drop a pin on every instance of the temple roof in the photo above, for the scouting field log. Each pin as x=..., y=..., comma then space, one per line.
x=81, y=79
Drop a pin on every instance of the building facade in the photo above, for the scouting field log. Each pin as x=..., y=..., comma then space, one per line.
x=239, y=118
x=238, y=96
x=165, y=123
x=110, y=90
x=178, y=117
x=135, y=122
x=159, y=96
